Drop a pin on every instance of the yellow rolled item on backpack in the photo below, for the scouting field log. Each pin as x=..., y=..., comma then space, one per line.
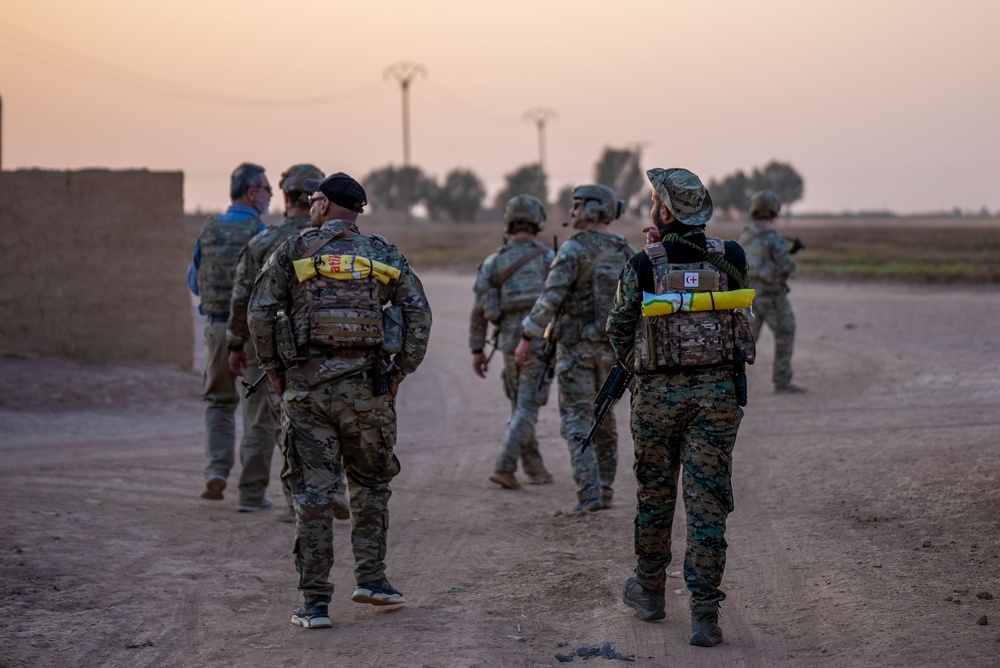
x=672, y=302
x=344, y=268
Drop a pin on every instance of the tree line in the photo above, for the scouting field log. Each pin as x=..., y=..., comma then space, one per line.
x=460, y=194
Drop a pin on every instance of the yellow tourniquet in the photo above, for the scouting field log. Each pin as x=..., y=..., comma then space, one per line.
x=672, y=302
x=344, y=268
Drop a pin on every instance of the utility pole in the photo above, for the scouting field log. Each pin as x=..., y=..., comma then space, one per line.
x=540, y=116
x=404, y=72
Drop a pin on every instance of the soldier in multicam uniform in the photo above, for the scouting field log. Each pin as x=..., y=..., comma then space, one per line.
x=507, y=285
x=771, y=265
x=257, y=463
x=318, y=319
x=685, y=409
x=211, y=276
x=577, y=297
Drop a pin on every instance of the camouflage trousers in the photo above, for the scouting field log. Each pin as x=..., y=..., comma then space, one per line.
x=339, y=421
x=580, y=372
x=261, y=428
x=519, y=441
x=684, y=422
x=774, y=310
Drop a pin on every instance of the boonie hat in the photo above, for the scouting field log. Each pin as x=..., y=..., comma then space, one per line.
x=683, y=193
x=340, y=189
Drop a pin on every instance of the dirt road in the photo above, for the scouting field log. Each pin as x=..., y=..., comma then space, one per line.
x=865, y=531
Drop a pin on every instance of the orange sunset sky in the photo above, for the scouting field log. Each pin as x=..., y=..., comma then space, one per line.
x=878, y=103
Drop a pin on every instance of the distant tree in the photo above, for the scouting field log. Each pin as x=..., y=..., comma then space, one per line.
x=564, y=202
x=731, y=196
x=781, y=178
x=397, y=188
x=526, y=180
x=458, y=198
x=619, y=170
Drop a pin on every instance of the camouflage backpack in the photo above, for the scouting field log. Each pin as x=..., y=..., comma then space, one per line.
x=597, y=282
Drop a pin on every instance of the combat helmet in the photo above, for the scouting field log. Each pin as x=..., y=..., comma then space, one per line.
x=764, y=205
x=523, y=209
x=293, y=179
x=600, y=205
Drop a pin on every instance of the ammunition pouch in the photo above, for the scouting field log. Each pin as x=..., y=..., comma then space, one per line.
x=392, y=330
x=490, y=305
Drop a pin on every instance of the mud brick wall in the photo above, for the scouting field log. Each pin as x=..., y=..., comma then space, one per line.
x=92, y=266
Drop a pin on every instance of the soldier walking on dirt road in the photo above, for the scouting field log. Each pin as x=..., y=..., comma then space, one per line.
x=771, y=265
x=576, y=300
x=507, y=285
x=211, y=276
x=685, y=401
x=257, y=464
x=338, y=321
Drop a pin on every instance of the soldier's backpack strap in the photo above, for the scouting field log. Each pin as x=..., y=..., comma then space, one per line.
x=319, y=243
x=714, y=259
x=512, y=269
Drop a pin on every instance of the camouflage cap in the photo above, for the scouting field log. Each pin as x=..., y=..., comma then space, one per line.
x=294, y=178
x=764, y=205
x=683, y=193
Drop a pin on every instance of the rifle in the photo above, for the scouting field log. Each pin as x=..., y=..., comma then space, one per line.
x=493, y=343
x=614, y=387
x=740, y=377
x=549, y=354
x=794, y=245
x=253, y=388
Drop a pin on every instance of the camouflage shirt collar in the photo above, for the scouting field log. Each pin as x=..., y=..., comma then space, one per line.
x=338, y=226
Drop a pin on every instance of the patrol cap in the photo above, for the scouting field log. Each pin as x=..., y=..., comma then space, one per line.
x=684, y=194
x=340, y=189
x=293, y=179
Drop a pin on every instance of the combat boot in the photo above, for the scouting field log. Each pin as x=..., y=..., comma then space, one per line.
x=505, y=479
x=540, y=477
x=705, y=631
x=649, y=605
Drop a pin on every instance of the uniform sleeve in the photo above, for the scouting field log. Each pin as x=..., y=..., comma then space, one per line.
x=270, y=293
x=625, y=313
x=782, y=258
x=562, y=275
x=238, y=331
x=477, y=321
x=408, y=294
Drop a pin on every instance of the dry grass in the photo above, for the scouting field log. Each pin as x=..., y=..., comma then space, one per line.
x=917, y=250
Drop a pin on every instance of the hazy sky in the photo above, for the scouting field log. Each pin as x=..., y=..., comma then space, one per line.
x=878, y=103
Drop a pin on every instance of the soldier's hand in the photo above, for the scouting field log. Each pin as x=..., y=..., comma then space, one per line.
x=393, y=389
x=237, y=362
x=652, y=234
x=279, y=386
x=523, y=352
x=480, y=364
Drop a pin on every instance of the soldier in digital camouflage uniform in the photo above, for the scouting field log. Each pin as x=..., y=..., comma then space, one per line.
x=577, y=297
x=211, y=276
x=771, y=265
x=322, y=337
x=257, y=463
x=507, y=285
x=685, y=411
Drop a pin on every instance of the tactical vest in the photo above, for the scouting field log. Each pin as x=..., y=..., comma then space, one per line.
x=519, y=292
x=221, y=244
x=762, y=268
x=342, y=313
x=592, y=295
x=685, y=338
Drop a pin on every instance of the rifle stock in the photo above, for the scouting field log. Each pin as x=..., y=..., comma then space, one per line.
x=253, y=388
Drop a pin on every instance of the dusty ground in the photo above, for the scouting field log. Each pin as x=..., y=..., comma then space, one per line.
x=865, y=530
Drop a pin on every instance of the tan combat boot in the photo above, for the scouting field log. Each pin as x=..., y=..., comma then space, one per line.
x=505, y=479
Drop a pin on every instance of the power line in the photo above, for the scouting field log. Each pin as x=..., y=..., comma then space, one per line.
x=53, y=55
